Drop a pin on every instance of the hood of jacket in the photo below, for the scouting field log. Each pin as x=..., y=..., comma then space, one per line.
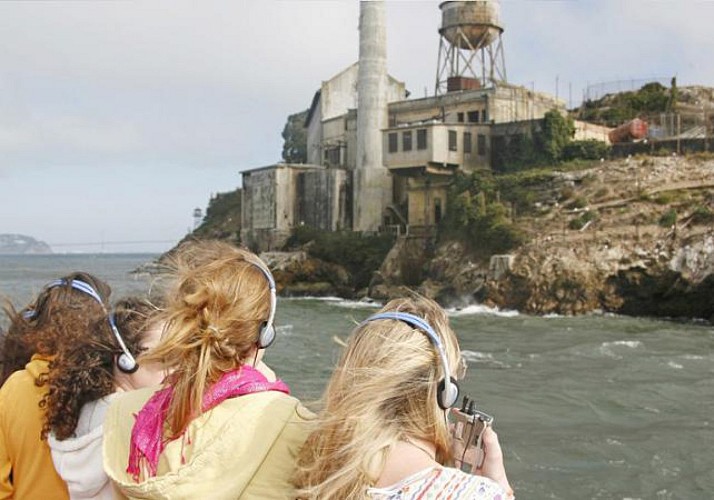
x=78, y=460
x=245, y=447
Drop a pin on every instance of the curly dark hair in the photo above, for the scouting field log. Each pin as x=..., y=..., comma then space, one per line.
x=58, y=315
x=84, y=372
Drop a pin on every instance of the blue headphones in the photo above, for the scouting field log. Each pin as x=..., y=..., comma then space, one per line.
x=448, y=390
x=267, y=331
x=126, y=361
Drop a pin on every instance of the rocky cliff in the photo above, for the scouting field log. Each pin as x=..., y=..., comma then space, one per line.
x=634, y=236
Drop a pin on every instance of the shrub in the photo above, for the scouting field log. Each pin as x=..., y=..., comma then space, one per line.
x=702, y=215
x=589, y=149
x=669, y=218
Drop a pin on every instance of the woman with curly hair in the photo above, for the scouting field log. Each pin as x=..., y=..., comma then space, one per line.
x=62, y=312
x=383, y=431
x=222, y=426
x=83, y=380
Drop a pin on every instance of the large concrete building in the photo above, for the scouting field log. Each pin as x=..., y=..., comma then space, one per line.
x=377, y=158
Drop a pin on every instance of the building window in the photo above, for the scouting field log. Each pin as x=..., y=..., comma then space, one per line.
x=473, y=116
x=393, y=142
x=407, y=141
x=460, y=117
x=481, y=145
x=484, y=116
x=332, y=156
x=467, y=142
x=453, y=144
x=421, y=138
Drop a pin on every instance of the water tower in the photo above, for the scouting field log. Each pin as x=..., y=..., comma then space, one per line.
x=470, y=46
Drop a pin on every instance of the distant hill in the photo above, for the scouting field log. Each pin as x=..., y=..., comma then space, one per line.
x=19, y=244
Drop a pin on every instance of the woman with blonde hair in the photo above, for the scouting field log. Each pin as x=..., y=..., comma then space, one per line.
x=222, y=425
x=383, y=431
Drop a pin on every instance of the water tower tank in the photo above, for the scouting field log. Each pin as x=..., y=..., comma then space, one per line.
x=476, y=23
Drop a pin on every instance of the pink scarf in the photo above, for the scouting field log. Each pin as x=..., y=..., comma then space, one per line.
x=147, y=440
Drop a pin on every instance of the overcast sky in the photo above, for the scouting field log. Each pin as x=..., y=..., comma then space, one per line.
x=118, y=118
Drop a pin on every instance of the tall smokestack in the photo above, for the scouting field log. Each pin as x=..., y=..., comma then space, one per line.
x=372, y=182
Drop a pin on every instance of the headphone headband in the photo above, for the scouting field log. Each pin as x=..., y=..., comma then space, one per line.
x=448, y=392
x=79, y=285
x=267, y=332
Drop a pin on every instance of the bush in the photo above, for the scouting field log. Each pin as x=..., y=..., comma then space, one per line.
x=702, y=215
x=360, y=254
x=588, y=149
x=669, y=218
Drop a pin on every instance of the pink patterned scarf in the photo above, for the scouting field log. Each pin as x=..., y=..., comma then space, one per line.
x=147, y=440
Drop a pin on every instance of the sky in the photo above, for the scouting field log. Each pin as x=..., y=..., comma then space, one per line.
x=118, y=118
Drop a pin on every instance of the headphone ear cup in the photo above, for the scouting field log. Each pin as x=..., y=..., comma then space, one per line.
x=447, y=394
x=127, y=364
x=266, y=337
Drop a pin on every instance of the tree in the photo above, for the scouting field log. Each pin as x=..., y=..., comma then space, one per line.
x=556, y=134
x=295, y=137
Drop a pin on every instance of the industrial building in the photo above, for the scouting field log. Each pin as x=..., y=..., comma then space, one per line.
x=379, y=160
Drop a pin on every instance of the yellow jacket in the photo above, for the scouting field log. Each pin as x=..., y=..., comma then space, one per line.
x=245, y=448
x=22, y=453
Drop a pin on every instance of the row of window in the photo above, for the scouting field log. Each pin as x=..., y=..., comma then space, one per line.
x=472, y=116
x=421, y=143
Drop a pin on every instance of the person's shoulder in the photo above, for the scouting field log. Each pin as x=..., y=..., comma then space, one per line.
x=471, y=485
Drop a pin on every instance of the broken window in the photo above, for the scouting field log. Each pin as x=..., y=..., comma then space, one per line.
x=421, y=138
x=393, y=142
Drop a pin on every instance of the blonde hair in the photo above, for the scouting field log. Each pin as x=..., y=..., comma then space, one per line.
x=213, y=313
x=383, y=390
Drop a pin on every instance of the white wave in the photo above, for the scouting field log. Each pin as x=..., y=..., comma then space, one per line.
x=695, y=357
x=477, y=356
x=286, y=330
x=481, y=309
x=674, y=365
x=340, y=302
x=632, y=344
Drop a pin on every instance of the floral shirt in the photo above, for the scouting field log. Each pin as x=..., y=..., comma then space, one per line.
x=441, y=483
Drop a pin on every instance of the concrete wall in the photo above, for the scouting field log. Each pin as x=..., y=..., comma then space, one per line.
x=585, y=131
x=437, y=150
x=323, y=199
x=509, y=103
x=425, y=194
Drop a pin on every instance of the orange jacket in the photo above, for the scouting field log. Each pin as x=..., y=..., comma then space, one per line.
x=23, y=455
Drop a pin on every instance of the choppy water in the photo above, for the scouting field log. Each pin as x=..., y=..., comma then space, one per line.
x=590, y=407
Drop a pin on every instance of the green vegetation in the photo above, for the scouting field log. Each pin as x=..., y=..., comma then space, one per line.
x=360, y=254
x=702, y=215
x=476, y=216
x=223, y=218
x=613, y=110
x=669, y=218
x=295, y=137
x=548, y=142
x=579, y=222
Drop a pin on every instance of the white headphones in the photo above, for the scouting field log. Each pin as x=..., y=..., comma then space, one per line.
x=126, y=361
x=448, y=390
x=267, y=331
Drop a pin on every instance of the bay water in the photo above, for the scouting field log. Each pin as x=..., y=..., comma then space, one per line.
x=599, y=406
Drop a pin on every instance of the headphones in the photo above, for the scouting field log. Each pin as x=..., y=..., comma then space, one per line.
x=448, y=390
x=79, y=285
x=126, y=362
x=267, y=330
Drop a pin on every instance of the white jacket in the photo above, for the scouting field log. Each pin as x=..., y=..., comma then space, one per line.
x=78, y=460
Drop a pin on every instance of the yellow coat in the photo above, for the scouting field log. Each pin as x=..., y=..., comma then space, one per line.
x=22, y=453
x=245, y=448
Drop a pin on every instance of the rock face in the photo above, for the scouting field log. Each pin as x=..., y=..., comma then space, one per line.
x=628, y=260
x=19, y=244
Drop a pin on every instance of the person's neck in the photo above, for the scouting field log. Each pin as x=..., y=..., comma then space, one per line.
x=406, y=458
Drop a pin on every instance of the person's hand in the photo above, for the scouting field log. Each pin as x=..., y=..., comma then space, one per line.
x=493, y=467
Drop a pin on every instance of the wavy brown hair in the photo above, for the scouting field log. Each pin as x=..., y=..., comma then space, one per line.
x=57, y=316
x=213, y=313
x=383, y=390
x=84, y=372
